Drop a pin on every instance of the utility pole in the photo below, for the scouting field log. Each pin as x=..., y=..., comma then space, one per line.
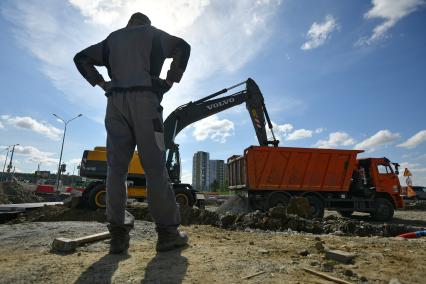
x=5, y=160
x=62, y=147
x=9, y=167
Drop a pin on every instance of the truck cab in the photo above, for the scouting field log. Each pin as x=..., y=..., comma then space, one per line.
x=380, y=176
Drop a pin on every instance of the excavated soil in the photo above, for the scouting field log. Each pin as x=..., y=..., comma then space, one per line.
x=276, y=219
x=13, y=192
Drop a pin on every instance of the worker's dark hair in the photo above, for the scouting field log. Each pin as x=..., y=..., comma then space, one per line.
x=138, y=19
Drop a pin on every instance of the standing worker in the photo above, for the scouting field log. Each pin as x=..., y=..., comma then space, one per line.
x=134, y=57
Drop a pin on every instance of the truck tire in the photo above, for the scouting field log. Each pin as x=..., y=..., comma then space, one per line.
x=317, y=206
x=346, y=214
x=278, y=199
x=383, y=210
x=184, y=196
x=97, y=197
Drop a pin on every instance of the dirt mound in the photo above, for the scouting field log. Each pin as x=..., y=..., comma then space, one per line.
x=59, y=213
x=13, y=192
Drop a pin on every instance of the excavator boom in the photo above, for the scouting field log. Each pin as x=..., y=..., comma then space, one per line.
x=210, y=105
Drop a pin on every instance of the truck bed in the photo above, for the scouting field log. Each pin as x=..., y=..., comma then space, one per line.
x=292, y=169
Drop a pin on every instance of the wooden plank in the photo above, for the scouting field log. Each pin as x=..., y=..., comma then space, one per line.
x=92, y=238
x=253, y=275
x=325, y=276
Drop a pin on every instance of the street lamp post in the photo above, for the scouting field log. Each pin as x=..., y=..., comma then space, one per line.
x=62, y=147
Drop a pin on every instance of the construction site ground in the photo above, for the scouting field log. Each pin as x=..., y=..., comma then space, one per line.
x=214, y=255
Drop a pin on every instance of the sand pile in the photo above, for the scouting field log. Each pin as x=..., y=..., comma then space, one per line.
x=235, y=204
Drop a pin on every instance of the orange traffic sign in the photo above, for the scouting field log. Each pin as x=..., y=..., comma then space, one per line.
x=407, y=173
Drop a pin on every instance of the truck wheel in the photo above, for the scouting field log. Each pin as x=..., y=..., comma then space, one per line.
x=278, y=199
x=383, y=210
x=97, y=197
x=346, y=214
x=317, y=206
x=184, y=197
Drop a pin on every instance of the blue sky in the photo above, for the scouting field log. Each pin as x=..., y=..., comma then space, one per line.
x=336, y=74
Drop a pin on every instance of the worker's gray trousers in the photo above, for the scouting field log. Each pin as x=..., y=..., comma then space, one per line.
x=135, y=118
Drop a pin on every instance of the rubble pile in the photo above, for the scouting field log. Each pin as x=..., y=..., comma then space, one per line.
x=235, y=204
x=59, y=213
x=276, y=219
x=13, y=192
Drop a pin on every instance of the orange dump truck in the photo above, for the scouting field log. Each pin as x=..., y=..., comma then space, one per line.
x=329, y=178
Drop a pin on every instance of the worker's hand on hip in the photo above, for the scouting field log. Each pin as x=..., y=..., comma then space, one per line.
x=161, y=86
x=106, y=86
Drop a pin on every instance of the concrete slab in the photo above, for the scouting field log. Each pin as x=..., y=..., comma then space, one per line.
x=24, y=206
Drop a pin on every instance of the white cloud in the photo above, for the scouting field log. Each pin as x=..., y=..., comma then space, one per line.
x=2, y=158
x=287, y=132
x=391, y=12
x=75, y=161
x=414, y=140
x=319, y=130
x=1, y=125
x=300, y=134
x=35, y=155
x=214, y=128
x=186, y=176
x=281, y=131
x=319, y=33
x=336, y=139
x=29, y=123
x=224, y=36
x=382, y=137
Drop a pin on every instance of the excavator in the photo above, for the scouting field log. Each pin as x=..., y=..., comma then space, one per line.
x=93, y=165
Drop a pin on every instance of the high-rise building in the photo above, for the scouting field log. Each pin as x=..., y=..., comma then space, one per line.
x=200, y=171
x=217, y=175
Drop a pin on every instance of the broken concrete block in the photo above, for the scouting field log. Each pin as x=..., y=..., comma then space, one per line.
x=340, y=256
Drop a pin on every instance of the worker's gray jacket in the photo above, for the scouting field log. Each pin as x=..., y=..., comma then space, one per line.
x=133, y=56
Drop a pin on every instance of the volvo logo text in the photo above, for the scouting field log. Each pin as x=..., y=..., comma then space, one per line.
x=222, y=103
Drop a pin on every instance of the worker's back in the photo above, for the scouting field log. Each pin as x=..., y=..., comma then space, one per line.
x=129, y=52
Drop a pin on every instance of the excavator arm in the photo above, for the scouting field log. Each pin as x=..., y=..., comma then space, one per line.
x=210, y=105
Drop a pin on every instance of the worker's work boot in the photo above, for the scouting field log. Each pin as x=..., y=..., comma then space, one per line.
x=120, y=239
x=170, y=238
